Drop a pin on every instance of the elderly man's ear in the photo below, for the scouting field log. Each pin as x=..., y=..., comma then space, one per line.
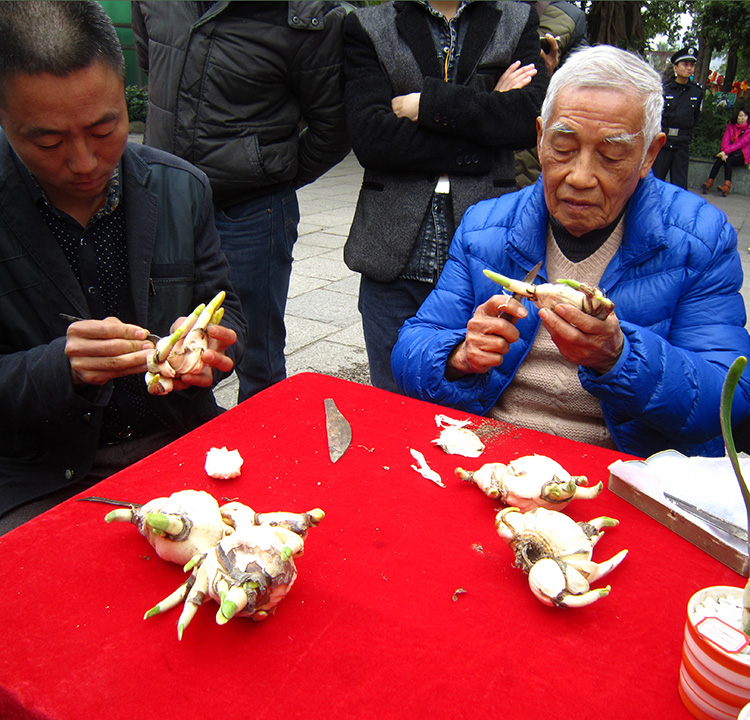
x=653, y=151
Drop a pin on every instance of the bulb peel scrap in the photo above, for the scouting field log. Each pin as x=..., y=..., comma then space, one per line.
x=457, y=440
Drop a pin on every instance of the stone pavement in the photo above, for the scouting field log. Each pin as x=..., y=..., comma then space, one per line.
x=324, y=333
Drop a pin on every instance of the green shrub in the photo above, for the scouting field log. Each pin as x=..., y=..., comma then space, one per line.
x=137, y=100
x=712, y=122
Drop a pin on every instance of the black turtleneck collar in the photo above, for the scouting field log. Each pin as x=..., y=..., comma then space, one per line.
x=579, y=248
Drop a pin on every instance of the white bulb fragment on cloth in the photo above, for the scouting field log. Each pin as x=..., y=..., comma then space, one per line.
x=456, y=439
x=223, y=464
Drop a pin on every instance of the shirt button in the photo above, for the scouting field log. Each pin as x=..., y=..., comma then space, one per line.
x=69, y=474
x=91, y=290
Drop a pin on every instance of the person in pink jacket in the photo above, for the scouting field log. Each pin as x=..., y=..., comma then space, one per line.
x=735, y=151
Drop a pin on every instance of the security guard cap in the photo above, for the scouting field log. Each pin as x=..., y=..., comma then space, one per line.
x=688, y=53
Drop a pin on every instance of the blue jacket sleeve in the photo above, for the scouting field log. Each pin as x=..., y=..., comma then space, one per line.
x=425, y=341
x=673, y=383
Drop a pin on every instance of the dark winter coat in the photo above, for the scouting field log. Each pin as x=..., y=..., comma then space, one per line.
x=49, y=430
x=230, y=89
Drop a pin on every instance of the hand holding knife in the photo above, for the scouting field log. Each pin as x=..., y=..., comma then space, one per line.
x=530, y=277
x=74, y=318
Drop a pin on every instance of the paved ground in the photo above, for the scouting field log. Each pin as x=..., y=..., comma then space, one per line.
x=323, y=325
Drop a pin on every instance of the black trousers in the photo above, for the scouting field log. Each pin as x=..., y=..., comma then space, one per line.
x=734, y=159
x=674, y=158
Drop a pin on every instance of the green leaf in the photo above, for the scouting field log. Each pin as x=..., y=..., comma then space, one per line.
x=727, y=395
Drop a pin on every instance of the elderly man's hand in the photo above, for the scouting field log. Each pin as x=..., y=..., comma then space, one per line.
x=100, y=350
x=583, y=339
x=488, y=338
x=219, y=339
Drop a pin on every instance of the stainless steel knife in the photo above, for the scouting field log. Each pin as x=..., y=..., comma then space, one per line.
x=338, y=429
x=725, y=525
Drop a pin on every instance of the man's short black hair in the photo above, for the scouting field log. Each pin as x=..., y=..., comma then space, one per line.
x=55, y=37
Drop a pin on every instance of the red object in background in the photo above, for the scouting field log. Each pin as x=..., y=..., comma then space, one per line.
x=407, y=603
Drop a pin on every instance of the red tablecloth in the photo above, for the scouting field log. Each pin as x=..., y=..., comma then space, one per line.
x=373, y=627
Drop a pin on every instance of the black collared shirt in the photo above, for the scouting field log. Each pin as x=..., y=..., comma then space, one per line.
x=98, y=256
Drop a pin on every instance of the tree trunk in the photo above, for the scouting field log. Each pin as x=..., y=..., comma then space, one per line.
x=731, y=71
x=703, y=66
x=616, y=23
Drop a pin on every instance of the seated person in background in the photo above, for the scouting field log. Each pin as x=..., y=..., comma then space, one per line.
x=734, y=150
x=649, y=376
x=90, y=226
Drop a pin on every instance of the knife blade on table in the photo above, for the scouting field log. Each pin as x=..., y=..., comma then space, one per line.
x=530, y=277
x=74, y=318
x=338, y=429
x=728, y=527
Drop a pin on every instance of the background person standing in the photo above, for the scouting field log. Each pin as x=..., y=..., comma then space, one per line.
x=682, y=104
x=438, y=95
x=253, y=94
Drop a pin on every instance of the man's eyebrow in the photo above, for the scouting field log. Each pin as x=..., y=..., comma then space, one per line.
x=616, y=139
x=39, y=131
x=623, y=138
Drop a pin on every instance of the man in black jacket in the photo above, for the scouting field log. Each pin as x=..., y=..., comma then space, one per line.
x=682, y=104
x=94, y=227
x=251, y=93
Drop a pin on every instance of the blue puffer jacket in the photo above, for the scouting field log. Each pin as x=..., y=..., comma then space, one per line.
x=675, y=282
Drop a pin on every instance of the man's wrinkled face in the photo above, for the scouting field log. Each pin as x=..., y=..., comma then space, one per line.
x=684, y=69
x=70, y=131
x=592, y=156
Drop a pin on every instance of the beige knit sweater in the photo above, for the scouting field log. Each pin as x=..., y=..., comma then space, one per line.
x=546, y=393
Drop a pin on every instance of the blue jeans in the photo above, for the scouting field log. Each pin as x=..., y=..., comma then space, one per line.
x=257, y=237
x=384, y=308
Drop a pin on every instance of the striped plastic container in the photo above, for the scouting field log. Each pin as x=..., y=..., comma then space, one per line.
x=714, y=684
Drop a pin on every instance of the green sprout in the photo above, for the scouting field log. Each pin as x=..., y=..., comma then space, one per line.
x=727, y=395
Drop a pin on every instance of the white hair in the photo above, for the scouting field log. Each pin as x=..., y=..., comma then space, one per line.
x=610, y=68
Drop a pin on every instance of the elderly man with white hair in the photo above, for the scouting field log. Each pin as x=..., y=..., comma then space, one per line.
x=646, y=378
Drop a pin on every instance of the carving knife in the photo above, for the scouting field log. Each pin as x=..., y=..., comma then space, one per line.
x=338, y=429
x=728, y=527
x=530, y=277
